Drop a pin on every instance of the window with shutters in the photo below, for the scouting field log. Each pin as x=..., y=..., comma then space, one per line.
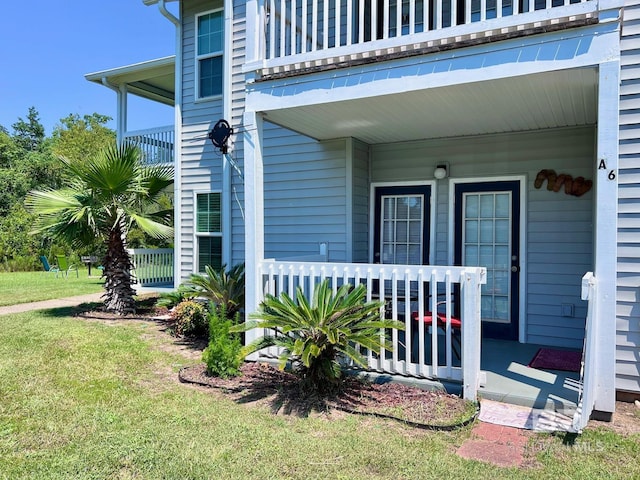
x=209, y=230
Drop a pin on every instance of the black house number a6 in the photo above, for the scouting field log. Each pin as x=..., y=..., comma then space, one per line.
x=603, y=166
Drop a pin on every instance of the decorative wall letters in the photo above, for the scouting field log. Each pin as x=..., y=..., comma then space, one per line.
x=572, y=186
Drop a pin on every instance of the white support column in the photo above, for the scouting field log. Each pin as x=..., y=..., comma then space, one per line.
x=605, y=241
x=121, y=113
x=254, y=210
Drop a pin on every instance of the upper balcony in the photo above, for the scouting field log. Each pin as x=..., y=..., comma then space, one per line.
x=302, y=36
x=152, y=81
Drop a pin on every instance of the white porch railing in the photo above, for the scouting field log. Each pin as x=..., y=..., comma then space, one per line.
x=302, y=31
x=152, y=266
x=409, y=292
x=586, y=398
x=157, y=144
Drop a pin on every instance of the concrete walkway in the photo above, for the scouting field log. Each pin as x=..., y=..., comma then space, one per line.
x=47, y=304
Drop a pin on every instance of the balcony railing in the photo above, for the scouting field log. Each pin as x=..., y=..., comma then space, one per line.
x=303, y=31
x=152, y=266
x=410, y=292
x=157, y=144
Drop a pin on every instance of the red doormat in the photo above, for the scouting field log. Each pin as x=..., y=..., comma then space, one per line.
x=551, y=359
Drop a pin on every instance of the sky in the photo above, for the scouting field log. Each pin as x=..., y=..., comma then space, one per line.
x=47, y=47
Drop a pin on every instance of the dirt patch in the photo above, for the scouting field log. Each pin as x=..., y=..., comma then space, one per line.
x=626, y=420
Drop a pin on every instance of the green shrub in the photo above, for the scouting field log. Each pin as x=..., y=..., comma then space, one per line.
x=190, y=319
x=316, y=336
x=171, y=299
x=222, y=356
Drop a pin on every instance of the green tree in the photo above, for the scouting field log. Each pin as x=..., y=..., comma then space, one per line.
x=29, y=134
x=104, y=197
x=77, y=138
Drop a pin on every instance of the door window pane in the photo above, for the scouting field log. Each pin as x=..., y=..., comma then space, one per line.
x=487, y=243
x=403, y=226
x=486, y=206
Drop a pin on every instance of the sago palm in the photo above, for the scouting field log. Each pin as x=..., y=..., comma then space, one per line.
x=314, y=336
x=222, y=287
x=104, y=197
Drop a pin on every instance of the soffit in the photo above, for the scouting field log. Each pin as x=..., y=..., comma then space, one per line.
x=531, y=102
x=154, y=79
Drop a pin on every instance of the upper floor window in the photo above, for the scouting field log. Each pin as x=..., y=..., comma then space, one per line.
x=209, y=230
x=210, y=49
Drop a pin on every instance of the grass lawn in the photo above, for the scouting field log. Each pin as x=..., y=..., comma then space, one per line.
x=24, y=287
x=89, y=399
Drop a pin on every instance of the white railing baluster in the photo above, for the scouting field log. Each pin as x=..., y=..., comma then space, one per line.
x=448, y=331
x=337, y=23
x=360, y=21
x=374, y=20
x=483, y=10
x=314, y=25
x=294, y=27
x=408, y=339
x=394, y=316
x=467, y=11
x=412, y=17
x=498, y=8
x=398, y=18
x=385, y=19
x=325, y=24
x=433, y=300
x=437, y=14
x=421, y=311
x=283, y=29
x=454, y=12
x=304, y=23
x=349, y=39
x=272, y=28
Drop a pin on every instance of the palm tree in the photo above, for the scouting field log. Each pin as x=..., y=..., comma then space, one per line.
x=104, y=197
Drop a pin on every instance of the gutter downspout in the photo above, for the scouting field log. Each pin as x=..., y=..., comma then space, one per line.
x=177, y=167
x=227, y=112
x=121, y=109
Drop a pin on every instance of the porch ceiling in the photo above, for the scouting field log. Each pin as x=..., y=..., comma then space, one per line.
x=531, y=102
x=154, y=79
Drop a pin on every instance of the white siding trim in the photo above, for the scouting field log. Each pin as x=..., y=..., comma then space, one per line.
x=177, y=169
x=227, y=87
x=432, y=213
x=522, y=292
x=349, y=200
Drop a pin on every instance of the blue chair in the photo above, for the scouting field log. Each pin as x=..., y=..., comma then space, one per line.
x=65, y=266
x=47, y=267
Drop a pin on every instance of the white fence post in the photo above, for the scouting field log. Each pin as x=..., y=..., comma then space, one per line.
x=470, y=286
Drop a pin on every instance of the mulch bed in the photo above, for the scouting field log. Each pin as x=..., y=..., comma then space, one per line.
x=282, y=391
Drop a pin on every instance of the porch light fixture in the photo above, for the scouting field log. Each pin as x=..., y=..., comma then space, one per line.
x=441, y=171
x=219, y=135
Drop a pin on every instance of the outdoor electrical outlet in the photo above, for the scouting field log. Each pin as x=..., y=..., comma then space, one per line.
x=567, y=310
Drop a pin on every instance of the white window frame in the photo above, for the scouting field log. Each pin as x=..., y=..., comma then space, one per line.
x=205, y=56
x=198, y=235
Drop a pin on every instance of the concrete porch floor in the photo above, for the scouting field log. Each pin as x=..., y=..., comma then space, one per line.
x=510, y=380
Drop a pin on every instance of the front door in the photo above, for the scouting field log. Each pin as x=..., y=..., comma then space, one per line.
x=487, y=234
x=401, y=226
